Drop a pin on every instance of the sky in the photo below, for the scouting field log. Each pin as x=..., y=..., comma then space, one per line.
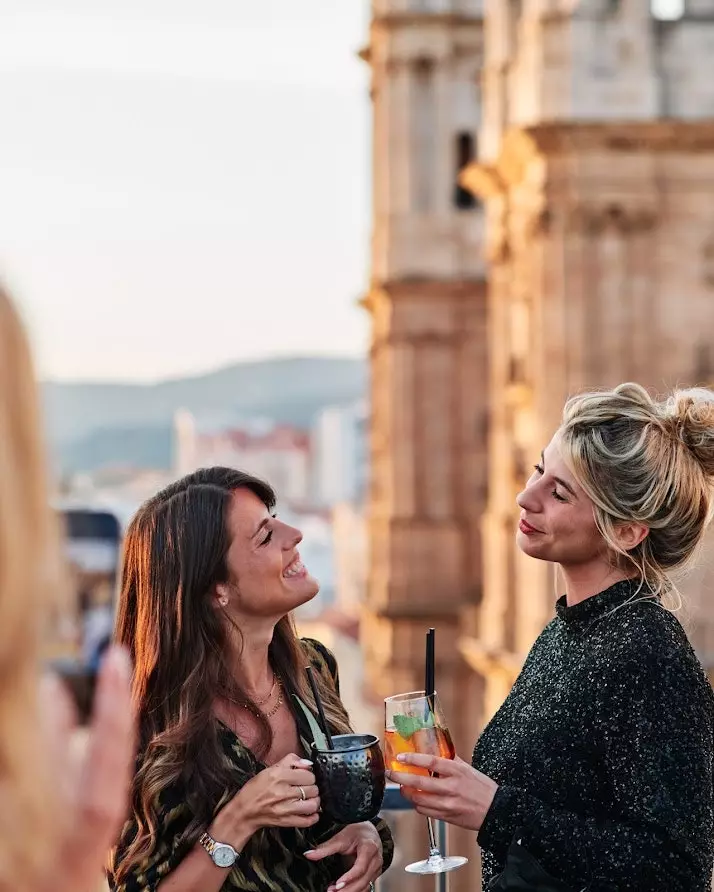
x=184, y=184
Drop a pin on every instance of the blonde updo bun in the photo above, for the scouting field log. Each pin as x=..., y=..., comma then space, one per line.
x=645, y=461
x=691, y=416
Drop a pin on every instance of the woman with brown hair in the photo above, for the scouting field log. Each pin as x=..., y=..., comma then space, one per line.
x=224, y=796
x=59, y=807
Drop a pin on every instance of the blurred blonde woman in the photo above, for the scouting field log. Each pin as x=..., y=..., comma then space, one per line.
x=59, y=809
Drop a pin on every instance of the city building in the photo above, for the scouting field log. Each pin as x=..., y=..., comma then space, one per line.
x=597, y=173
x=543, y=179
x=340, y=454
x=429, y=350
x=351, y=556
x=279, y=454
x=185, y=443
x=318, y=555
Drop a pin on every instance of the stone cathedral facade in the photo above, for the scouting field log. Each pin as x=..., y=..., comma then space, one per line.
x=543, y=223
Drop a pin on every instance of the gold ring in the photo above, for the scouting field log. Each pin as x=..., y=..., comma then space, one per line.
x=302, y=794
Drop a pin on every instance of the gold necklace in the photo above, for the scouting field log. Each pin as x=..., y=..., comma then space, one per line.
x=270, y=693
x=278, y=704
x=256, y=702
x=255, y=707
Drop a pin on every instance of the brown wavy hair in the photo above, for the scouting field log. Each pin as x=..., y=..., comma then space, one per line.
x=174, y=556
x=31, y=581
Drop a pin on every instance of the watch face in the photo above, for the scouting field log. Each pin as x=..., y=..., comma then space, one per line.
x=224, y=856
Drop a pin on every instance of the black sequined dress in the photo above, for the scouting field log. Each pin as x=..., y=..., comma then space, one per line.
x=603, y=752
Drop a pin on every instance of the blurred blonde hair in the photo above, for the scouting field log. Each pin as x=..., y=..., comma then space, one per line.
x=646, y=461
x=29, y=581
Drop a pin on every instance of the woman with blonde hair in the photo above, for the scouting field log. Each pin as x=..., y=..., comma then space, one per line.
x=597, y=771
x=58, y=807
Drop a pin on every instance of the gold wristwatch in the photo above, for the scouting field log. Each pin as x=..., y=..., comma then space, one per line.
x=221, y=853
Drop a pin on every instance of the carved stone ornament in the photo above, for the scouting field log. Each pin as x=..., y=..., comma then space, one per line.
x=518, y=149
x=482, y=180
x=531, y=223
x=593, y=218
x=521, y=146
x=625, y=137
x=497, y=246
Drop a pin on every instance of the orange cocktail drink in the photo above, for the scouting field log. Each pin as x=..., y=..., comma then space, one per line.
x=415, y=723
x=429, y=741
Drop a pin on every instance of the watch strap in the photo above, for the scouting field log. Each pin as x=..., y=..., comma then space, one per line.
x=208, y=843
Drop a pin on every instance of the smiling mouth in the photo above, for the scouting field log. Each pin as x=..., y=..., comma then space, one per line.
x=295, y=569
x=526, y=528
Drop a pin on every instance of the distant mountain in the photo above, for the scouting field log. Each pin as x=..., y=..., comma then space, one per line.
x=91, y=425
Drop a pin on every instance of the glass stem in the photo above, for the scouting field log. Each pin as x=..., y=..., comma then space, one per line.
x=434, y=851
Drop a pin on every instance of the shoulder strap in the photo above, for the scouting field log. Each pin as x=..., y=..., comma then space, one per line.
x=318, y=736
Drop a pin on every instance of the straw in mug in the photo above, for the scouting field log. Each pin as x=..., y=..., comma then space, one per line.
x=318, y=703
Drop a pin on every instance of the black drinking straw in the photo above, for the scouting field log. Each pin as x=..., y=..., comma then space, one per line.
x=318, y=703
x=429, y=683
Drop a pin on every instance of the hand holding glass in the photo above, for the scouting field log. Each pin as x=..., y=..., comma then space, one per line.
x=415, y=723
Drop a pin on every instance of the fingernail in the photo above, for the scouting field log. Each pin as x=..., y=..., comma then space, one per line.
x=340, y=886
x=304, y=763
x=401, y=757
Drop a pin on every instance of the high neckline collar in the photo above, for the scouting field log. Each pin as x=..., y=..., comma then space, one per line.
x=582, y=614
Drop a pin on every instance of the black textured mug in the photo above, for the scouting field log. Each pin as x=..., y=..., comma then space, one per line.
x=350, y=777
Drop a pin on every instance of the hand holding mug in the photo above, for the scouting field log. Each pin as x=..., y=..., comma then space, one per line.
x=284, y=795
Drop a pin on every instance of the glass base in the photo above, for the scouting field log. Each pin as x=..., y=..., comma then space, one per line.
x=437, y=864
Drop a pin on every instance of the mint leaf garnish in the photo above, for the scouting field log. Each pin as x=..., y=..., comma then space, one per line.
x=407, y=725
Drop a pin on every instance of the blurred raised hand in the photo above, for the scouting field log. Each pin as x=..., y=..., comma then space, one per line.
x=93, y=776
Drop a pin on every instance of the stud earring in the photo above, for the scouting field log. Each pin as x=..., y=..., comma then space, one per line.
x=224, y=602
